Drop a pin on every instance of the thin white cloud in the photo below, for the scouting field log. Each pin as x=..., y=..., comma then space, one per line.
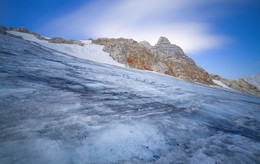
x=145, y=20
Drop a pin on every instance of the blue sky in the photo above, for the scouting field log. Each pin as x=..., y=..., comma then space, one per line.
x=222, y=36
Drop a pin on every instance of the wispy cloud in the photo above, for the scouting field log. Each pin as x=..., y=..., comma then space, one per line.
x=182, y=21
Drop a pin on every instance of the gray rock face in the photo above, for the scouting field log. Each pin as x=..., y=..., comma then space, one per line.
x=254, y=79
x=145, y=44
x=238, y=84
x=164, y=57
x=164, y=49
x=163, y=40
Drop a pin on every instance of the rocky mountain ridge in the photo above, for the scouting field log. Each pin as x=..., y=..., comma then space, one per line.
x=253, y=79
x=237, y=84
x=163, y=57
x=3, y=30
x=166, y=58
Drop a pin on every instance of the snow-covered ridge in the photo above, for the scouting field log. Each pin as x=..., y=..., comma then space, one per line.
x=87, y=51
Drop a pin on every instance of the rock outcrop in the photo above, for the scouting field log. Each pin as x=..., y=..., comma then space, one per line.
x=3, y=30
x=164, y=57
x=19, y=29
x=61, y=40
x=238, y=84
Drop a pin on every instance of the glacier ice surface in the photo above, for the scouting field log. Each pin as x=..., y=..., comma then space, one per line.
x=56, y=108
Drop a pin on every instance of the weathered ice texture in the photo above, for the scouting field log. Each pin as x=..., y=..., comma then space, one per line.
x=164, y=57
x=238, y=84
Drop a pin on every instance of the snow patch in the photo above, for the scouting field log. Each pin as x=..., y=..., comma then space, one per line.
x=88, y=51
x=86, y=42
x=220, y=84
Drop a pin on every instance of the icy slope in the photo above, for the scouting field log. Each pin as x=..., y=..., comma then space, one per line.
x=88, y=51
x=56, y=108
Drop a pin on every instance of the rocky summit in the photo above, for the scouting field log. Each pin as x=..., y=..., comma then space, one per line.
x=163, y=57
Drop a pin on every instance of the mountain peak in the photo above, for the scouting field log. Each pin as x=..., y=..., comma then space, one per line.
x=163, y=40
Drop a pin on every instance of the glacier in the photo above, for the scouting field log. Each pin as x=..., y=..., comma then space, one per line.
x=57, y=108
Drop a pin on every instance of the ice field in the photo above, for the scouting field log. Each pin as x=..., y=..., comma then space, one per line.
x=57, y=108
